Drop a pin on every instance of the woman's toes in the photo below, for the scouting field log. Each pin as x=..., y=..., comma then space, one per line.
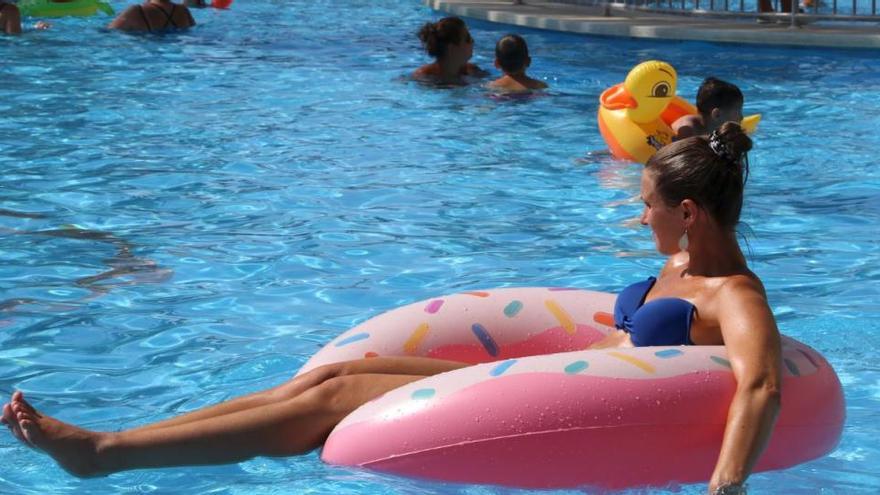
x=29, y=431
x=12, y=423
x=8, y=419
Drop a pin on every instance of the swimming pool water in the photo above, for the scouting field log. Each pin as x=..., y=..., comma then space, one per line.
x=188, y=218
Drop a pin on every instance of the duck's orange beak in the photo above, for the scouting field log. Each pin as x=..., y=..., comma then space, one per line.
x=617, y=98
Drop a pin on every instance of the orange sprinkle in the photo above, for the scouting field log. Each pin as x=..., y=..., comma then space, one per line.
x=370, y=354
x=412, y=343
x=561, y=316
x=647, y=368
x=604, y=318
x=478, y=293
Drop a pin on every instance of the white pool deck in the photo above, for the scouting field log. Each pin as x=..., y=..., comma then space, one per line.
x=594, y=20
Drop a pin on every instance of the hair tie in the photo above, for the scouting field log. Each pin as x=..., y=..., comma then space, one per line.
x=719, y=147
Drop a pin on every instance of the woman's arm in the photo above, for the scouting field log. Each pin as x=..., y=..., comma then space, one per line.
x=754, y=349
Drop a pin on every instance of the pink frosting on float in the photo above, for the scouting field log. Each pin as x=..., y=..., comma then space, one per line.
x=574, y=430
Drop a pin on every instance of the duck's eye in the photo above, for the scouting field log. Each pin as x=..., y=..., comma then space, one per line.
x=660, y=90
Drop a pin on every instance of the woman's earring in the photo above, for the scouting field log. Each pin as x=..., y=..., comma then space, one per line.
x=683, y=241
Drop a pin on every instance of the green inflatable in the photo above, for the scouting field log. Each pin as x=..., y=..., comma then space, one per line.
x=62, y=8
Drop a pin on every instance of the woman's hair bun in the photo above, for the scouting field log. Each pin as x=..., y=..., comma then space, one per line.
x=436, y=36
x=428, y=36
x=730, y=142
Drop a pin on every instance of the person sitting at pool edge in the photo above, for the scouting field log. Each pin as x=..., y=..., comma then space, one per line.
x=704, y=295
x=450, y=43
x=10, y=18
x=717, y=102
x=512, y=57
x=154, y=16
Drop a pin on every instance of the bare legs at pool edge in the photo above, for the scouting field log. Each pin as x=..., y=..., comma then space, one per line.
x=291, y=419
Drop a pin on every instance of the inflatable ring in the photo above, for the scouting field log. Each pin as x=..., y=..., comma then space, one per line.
x=525, y=417
x=54, y=8
x=636, y=116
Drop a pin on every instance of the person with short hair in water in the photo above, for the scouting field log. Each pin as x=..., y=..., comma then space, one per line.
x=512, y=57
x=450, y=43
x=717, y=102
x=154, y=16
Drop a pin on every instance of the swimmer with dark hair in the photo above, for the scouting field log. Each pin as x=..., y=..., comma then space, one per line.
x=154, y=16
x=450, y=43
x=717, y=102
x=512, y=57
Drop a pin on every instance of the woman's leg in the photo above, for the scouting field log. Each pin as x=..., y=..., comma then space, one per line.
x=289, y=427
x=378, y=365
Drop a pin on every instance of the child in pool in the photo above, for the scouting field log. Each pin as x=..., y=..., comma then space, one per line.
x=512, y=57
x=717, y=102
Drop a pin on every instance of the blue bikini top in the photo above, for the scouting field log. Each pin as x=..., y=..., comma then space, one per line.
x=663, y=321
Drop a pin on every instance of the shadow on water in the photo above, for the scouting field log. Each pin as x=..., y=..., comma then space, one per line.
x=124, y=268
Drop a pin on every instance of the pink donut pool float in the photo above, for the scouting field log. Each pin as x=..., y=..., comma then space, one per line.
x=538, y=410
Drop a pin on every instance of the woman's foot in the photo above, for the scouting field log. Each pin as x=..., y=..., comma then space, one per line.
x=74, y=449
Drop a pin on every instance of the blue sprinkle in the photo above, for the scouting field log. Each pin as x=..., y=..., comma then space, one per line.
x=792, y=367
x=576, y=367
x=512, y=309
x=354, y=338
x=485, y=339
x=668, y=353
x=501, y=368
x=721, y=361
x=423, y=393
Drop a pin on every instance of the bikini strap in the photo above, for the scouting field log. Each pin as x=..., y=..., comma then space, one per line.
x=169, y=17
x=144, y=17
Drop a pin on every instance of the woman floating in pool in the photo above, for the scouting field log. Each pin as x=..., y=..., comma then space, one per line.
x=705, y=294
x=449, y=42
x=154, y=16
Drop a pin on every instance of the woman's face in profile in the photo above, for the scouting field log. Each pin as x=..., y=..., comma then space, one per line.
x=465, y=45
x=665, y=222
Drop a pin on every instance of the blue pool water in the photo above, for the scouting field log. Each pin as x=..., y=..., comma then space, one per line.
x=188, y=218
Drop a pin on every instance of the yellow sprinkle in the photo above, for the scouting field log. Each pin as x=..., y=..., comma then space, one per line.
x=633, y=361
x=560, y=314
x=412, y=343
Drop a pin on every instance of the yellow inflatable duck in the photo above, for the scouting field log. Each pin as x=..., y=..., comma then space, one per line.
x=636, y=116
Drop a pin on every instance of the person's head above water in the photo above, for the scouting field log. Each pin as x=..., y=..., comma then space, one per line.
x=512, y=54
x=719, y=102
x=438, y=37
x=707, y=172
